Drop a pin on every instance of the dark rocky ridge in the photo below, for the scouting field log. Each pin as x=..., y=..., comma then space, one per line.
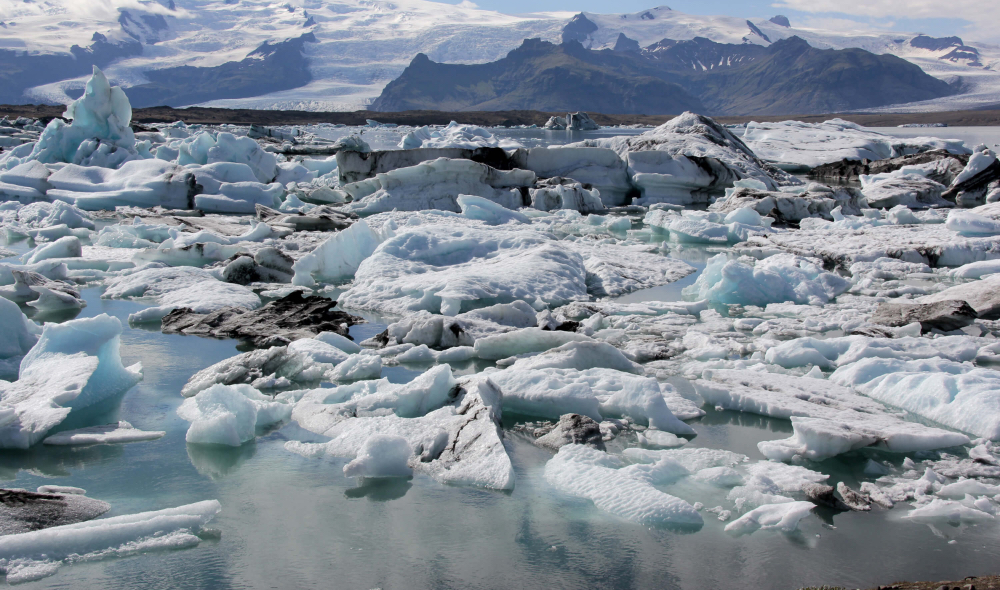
x=278, y=323
x=541, y=76
x=942, y=315
x=788, y=76
x=792, y=76
x=847, y=170
x=22, y=511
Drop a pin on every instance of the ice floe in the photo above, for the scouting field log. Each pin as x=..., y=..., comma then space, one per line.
x=35, y=555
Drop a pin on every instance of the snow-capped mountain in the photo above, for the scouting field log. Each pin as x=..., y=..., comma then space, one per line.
x=341, y=54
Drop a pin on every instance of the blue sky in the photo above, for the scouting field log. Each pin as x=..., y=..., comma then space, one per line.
x=934, y=17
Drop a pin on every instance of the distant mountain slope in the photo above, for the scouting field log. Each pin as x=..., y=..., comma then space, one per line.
x=539, y=76
x=793, y=78
x=268, y=68
x=788, y=77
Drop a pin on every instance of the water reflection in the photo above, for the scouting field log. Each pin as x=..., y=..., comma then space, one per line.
x=55, y=461
x=218, y=461
x=380, y=489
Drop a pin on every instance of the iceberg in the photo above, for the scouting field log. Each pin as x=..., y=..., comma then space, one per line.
x=451, y=269
x=453, y=427
x=595, y=393
x=176, y=288
x=827, y=419
x=74, y=365
x=488, y=212
x=140, y=183
x=687, y=159
x=17, y=333
x=339, y=256
x=784, y=517
x=230, y=414
x=799, y=146
x=776, y=279
x=120, y=432
x=98, y=133
x=436, y=185
x=381, y=455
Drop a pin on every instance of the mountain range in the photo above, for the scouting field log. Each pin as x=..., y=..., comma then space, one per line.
x=786, y=77
x=341, y=54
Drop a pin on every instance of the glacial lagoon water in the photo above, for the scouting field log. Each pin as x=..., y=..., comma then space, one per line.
x=289, y=521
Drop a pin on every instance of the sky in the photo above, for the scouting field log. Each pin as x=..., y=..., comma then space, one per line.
x=973, y=20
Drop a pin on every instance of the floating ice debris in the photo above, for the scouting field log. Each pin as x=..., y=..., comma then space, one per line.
x=121, y=432
x=290, y=318
x=775, y=279
x=338, y=258
x=436, y=185
x=454, y=135
x=948, y=511
x=784, y=517
x=381, y=455
x=687, y=158
x=17, y=333
x=453, y=427
x=451, y=269
x=827, y=419
x=98, y=133
x=595, y=393
x=487, y=211
x=178, y=288
x=605, y=480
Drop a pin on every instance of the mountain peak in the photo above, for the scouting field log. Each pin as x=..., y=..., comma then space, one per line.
x=579, y=28
x=625, y=44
